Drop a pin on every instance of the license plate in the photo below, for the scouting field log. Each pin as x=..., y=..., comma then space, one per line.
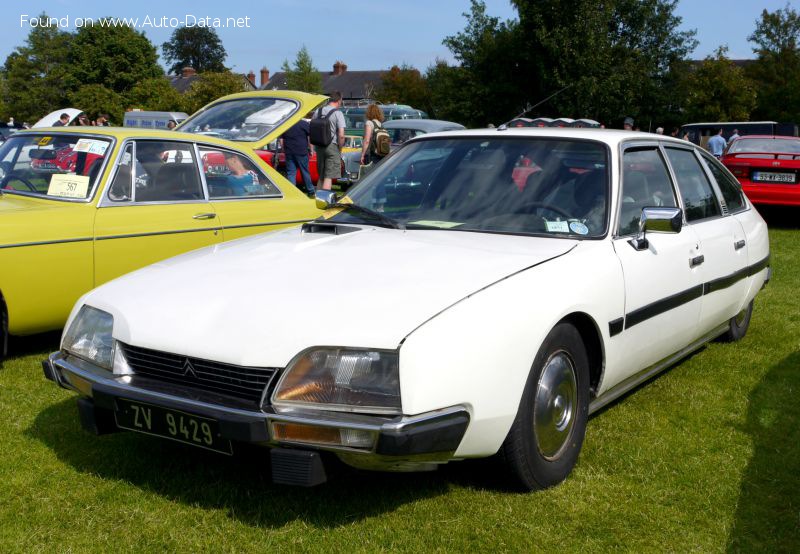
x=771, y=177
x=171, y=424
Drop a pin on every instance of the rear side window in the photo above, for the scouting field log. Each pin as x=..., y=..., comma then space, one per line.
x=729, y=187
x=645, y=183
x=699, y=200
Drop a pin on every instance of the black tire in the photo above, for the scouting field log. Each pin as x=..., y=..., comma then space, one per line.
x=539, y=452
x=3, y=330
x=738, y=325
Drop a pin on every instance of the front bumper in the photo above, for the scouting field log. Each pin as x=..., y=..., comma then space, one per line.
x=401, y=443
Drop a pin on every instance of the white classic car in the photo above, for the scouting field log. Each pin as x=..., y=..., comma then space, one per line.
x=481, y=293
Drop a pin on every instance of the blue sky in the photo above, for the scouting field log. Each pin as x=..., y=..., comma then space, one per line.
x=410, y=31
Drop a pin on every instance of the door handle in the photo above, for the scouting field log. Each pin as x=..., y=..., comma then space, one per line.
x=739, y=244
x=697, y=260
x=204, y=216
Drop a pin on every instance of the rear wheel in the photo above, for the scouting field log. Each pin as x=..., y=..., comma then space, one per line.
x=544, y=442
x=738, y=325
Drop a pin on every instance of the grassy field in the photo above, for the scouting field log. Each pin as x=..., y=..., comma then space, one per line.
x=704, y=458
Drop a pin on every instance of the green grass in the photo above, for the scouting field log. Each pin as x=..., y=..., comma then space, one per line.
x=704, y=458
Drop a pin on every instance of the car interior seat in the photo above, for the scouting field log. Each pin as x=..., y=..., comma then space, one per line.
x=177, y=182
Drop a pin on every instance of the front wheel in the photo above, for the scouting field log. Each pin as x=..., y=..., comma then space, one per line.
x=543, y=444
x=738, y=325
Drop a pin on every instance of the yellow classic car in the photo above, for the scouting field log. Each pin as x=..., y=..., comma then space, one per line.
x=81, y=206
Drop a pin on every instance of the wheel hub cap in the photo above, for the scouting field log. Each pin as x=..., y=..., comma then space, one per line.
x=555, y=405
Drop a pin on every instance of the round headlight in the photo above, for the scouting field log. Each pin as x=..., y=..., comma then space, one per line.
x=342, y=379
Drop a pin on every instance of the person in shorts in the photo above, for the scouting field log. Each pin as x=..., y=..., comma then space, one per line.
x=329, y=158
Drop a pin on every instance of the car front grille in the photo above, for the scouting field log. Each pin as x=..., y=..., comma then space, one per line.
x=245, y=383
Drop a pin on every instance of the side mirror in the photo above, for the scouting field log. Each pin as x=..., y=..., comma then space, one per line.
x=325, y=199
x=657, y=220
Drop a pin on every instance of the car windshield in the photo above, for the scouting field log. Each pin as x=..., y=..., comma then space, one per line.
x=399, y=136
x=52, y=166
x=515, y=185
x=766, y=145
x=245, y=119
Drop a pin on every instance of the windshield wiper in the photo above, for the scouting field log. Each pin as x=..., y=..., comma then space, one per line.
x=393, y=223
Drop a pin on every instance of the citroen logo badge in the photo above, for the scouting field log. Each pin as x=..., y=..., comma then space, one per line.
x=188, y=369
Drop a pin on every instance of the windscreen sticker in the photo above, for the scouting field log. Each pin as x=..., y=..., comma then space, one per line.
x=68, y=186
x=91, y=146
x=440, y=224
x=556, y=226
x=44, y=141
x=578, y=228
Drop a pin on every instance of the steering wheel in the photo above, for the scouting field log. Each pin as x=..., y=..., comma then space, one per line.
x=23, y=180
x=524, y=208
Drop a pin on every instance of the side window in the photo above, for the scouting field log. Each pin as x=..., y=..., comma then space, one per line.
x=729, y=187
x=231, y=175
x=645, y=183
x=699, y=200
x=166, y=171
x=122, y=185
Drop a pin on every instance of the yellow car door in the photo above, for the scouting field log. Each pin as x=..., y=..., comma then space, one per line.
x=248, y=196
x=155, y=207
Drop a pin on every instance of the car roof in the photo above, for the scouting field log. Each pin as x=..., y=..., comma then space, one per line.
x=612, y=137
x=782, y=137
x=122, y=133
x=427, y=125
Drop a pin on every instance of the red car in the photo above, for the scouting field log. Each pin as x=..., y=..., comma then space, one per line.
x=768, y=167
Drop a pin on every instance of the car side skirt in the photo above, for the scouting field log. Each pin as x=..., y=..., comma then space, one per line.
x=637, y=379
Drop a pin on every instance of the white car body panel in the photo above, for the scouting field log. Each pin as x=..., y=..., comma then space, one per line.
x=244, y=301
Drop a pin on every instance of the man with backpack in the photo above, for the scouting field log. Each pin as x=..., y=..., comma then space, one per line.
x=326, y=133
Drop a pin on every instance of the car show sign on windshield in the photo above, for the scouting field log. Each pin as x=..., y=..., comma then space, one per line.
x=68, y=186
x=91, y=146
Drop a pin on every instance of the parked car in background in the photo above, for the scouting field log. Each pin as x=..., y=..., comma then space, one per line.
x=474, y=317
x=699, y=133
x=354, y=116
x=767, y=167
x=153, y=120
x=256, y=120
x=52, y=118
x=81, y=206
x=400, y=130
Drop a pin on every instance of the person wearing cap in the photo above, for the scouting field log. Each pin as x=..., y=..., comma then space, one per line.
x=628, y=124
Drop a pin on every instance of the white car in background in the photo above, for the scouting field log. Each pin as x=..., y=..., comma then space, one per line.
x=524, y=279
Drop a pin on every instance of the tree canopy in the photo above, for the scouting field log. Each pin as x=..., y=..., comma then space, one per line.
x=197, y=47
x=302, y=75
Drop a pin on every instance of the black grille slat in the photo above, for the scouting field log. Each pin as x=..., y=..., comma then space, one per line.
x=247, y=383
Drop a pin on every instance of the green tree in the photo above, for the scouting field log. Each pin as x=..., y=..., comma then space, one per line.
x=616, y=57
x=154, y=94
x=777, y=68
x=302, y=75
x=197, y=47
x=719, y=91
x=35, y=74
x=404, y=85
x=450, y=96
x=115, y=56
x=210, y=86
x=96, y=99
x=487, y=87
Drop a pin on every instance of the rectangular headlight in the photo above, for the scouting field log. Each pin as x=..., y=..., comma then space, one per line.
x=90, y=337
x=342, y=379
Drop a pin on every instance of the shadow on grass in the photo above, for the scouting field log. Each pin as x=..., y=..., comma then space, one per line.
x=768, y=511
x=241, y=484
x=25, y=346
x=780, y=217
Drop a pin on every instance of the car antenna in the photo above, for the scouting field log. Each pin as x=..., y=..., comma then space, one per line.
x=528, y=108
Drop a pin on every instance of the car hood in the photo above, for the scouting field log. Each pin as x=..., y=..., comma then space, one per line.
x=259, y=301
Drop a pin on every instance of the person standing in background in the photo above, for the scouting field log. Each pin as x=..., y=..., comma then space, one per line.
x=296, y=149
x=329, y=158
x=717, y=144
